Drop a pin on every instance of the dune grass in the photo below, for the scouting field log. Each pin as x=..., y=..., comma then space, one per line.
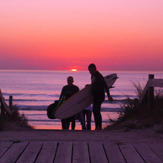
x=138, y=115
x=15, y=121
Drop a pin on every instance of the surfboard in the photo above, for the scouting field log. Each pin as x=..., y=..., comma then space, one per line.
x=80, y=100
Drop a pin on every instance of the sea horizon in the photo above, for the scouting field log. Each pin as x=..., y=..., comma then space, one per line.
x=79, y=70
x=34, y=90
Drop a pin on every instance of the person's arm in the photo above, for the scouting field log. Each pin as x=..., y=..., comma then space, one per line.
x=62, y=93
x=108, y=92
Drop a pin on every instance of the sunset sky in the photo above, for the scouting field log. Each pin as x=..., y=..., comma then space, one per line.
x=65, y=34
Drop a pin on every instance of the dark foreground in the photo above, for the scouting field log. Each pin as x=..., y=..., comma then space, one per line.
x=73, y=147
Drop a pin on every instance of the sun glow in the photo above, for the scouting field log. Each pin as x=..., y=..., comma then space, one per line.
x=74, y=69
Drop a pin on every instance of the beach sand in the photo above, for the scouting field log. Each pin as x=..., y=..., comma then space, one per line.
x=149, y=135
x=13, y=131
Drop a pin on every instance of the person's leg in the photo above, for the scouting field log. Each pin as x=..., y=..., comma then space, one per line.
x=97, y=114
x=73, y=123
x=63, y=124
x=83, y=119
x=67, y=123
x=88, y=114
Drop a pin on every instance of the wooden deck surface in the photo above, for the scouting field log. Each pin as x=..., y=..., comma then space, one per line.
x=79, y=152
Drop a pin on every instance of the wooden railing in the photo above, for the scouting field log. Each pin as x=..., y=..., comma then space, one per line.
x=148, y=92
x=5, y=109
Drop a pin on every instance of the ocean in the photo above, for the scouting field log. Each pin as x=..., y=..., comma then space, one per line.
x=34, y=90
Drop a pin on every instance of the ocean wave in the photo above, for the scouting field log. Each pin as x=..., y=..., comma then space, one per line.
x=49, y=100
x=30, y=100
x=31, y=94
x=126, y=96
x=112, y=109
x=56, y=95
x=31, y=107
x=43, y=108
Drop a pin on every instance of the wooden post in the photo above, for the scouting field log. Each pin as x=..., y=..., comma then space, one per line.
x=151, y=94
x=10, y=102
x=2, y=109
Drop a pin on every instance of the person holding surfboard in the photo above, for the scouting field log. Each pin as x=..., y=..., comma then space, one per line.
x=98, y=88
x=67, y=91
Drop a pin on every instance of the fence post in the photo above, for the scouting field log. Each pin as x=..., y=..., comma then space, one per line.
x=2, y=109
x=10, y=102
x=151, y=94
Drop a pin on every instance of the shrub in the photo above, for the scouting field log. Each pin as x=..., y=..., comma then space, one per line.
x=140, y=113
x=16, y=119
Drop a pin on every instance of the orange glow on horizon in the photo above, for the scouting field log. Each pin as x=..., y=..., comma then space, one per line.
x=74, y=69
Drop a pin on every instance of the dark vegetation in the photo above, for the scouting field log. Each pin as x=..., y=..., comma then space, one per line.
x=138, y=115
x=15, y=121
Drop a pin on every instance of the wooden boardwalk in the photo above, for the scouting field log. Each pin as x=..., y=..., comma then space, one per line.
x=79, y=152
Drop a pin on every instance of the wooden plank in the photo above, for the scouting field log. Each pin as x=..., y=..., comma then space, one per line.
x=64, y=152
x=156, y=83
x=30, y=153
x=157, y=148
x=130, y=154
x=97, y=153
x=147, y=153
x=113, y=153
x=10, y=102
x=6, y=107
x=144, y=91
x=4, y=146
x=47, y=152
x=80, y=152
x=13, y=153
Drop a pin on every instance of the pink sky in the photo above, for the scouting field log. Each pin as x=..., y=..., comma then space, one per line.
x=57, y=35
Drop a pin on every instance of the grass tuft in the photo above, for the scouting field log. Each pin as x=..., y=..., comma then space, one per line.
x=137, y=116
x=15, y=121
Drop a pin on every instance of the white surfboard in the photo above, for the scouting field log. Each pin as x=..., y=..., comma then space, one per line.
x=80, y=100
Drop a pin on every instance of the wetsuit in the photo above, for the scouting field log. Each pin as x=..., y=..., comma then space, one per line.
x=68, y=91
x=98, y=90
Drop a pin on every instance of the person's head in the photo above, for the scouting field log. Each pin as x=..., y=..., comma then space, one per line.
x=70, y=80
x=92, y=68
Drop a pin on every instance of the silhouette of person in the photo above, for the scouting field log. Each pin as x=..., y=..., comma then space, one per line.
x=87, y=113
x=98, y=89
x=67, y=91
